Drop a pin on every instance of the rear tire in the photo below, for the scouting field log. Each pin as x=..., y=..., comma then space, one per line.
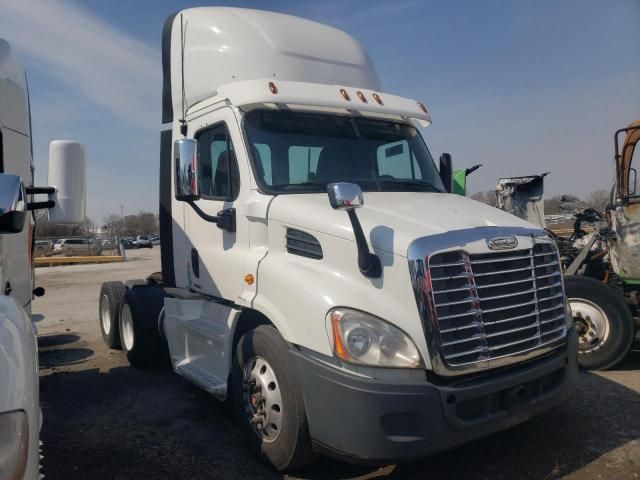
x=282, y=435
x=603, y=321
x=110, y=305
x=139, y=334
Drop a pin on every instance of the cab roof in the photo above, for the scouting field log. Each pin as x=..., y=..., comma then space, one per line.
x=216, y=50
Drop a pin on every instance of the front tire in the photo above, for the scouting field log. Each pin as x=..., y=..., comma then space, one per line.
x=603, y=322
x=110, y=305
x=268, y=400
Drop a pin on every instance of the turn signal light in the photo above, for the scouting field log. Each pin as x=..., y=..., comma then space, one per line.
x=248, y=279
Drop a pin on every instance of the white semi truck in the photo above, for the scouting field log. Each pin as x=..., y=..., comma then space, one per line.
x=20, y=417
x=315, y=269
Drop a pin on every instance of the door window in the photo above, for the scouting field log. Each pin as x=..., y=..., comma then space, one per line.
x=634, y=182
x=218, y=174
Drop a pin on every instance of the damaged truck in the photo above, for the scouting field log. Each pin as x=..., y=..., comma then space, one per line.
x=601, y=267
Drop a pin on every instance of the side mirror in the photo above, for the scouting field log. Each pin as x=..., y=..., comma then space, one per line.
x=13, y=208
x=446, y=171
x=348, y=197
x=345, y=196
x=67, y=177
x=185, y=151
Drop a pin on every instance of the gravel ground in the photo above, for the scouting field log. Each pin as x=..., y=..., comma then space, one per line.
x=106, y=420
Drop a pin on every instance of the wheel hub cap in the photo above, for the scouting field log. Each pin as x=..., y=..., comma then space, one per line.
x=262, y=399
x=105, y=314
x=591, y=323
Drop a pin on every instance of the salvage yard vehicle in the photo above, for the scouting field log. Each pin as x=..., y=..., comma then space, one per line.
x=315, y=269
x=604, y=291
x=601, y=268
x=20, y=416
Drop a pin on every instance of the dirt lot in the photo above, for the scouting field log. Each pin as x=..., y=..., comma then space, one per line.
x=106, y=420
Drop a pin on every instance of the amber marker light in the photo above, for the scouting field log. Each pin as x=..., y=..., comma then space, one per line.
x=273, y=88
x=248, y=279
x=338, y=346
x=377, y=98
x=345, y=95
x=361, y=96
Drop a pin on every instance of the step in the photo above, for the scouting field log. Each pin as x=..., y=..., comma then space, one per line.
x=203, y=378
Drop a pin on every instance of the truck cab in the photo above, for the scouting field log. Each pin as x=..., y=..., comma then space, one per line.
x=315, y=268
x=20, y=417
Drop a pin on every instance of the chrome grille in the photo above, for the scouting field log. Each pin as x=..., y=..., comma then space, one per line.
x=496, y=304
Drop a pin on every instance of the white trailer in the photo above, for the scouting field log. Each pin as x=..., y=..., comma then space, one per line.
x=315, y=269
x=20, y=417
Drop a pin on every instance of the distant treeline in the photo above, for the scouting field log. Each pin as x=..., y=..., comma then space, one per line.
x=553, y=205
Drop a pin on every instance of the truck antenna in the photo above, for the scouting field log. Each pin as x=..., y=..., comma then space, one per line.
x=183, y=122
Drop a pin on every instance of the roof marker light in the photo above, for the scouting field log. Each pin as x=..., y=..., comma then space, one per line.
x=377, y=98
x=345, y=95
x=361, y=96
x=422, y=107
x=273, y=88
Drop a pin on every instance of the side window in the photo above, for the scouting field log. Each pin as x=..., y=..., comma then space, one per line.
x=396, y=160
x=634, y=182
x=218, y=174
x=303, y=163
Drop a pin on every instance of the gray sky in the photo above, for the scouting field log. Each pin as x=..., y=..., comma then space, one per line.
x=520, y=86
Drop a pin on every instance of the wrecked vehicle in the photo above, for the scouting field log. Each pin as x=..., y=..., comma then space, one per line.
x=606, y=316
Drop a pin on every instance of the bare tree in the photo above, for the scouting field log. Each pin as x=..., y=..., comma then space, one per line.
x=598, y=200
x=142, y=223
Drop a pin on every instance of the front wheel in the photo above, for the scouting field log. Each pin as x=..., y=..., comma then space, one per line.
x=603, y=322
x=268, y=400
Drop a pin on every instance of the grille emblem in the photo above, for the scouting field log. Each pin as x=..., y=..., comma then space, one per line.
x=502, y=243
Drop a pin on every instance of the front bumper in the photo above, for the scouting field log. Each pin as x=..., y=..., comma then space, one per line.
x=376, y=421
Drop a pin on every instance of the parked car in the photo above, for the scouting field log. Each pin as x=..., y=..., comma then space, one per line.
x=127, y=244
x=76, y=246
x=143, y=241
x=155, y=240
x=42, y=248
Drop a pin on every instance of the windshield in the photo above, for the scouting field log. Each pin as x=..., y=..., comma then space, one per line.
x=302, y=152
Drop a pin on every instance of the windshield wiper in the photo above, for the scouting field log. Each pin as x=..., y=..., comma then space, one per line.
x=408, y=183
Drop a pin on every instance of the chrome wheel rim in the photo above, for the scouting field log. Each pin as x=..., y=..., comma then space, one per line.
x=262, y=399
x=126, y=328
x=591, y=324
x=105, y=314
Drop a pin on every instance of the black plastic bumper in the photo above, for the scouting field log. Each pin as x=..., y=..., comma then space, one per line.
x=375, y=421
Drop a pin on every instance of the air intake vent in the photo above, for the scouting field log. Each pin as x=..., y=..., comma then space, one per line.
x=303, y=244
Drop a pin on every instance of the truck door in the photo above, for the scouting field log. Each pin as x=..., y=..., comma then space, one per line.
x=625, y=216
x=216, y=256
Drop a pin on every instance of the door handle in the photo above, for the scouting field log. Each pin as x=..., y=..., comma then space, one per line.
x=227, y=219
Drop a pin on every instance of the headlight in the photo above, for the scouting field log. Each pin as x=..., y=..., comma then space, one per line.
x=367, y=340
x=14, y=444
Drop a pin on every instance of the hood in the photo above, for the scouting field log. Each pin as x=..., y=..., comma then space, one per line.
x=391, y=220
